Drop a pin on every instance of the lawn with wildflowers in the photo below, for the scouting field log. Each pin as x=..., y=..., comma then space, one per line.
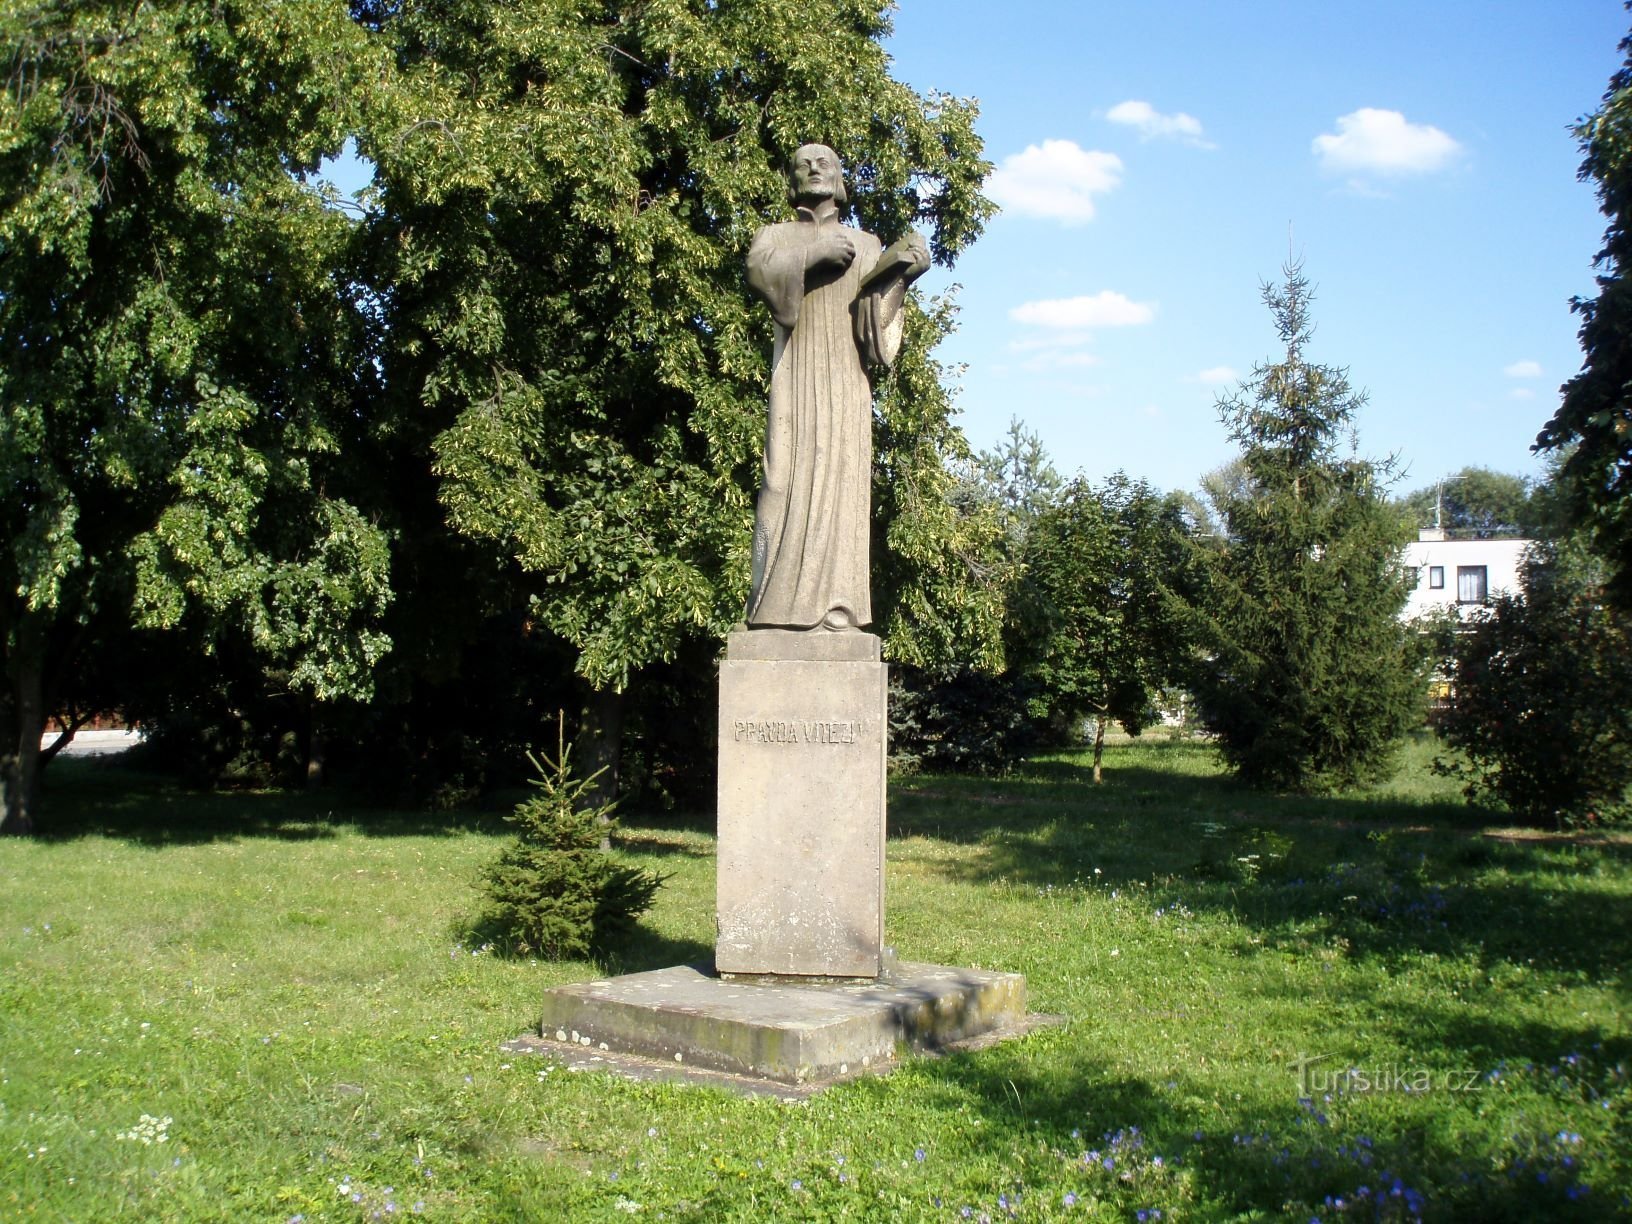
x=1365, y=1007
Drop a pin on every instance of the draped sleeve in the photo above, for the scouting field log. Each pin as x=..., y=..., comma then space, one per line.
x=880, y=320
x=776, y=271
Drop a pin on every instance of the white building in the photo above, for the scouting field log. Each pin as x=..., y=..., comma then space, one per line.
x=1458, y=574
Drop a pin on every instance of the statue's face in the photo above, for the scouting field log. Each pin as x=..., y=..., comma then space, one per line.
x=817, y=173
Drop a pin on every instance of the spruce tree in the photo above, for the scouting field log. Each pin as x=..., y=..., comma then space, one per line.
x=1306, y=674
x=555, y=891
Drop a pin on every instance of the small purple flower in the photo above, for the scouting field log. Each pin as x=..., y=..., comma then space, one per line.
x=1070, y=1199
x=919, y=1155
x=1108, y=1164
x=797, y=1184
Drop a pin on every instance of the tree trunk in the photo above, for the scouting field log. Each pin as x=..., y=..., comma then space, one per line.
x=316, y=746
x=600, y=743
x=1099, y=747
x=20, y=767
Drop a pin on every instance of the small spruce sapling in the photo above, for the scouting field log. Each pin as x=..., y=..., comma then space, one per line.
x=554, y=892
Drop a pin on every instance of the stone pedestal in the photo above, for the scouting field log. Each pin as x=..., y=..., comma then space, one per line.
x=801, y=805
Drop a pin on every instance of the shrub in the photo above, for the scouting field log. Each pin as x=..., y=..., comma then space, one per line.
x=555, y=891
x=1543, y=708
x=958, y=720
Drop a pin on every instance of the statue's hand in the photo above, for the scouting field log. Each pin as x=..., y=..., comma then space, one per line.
x=919, y=250
x=835, y=249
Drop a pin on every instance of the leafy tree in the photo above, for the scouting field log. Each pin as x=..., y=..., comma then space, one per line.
x=1593, y=423
x=1543, y=707
x=183, y=355
x=1475, y=503
x=1305, y=672
x=565, y=196
x=1104, y=629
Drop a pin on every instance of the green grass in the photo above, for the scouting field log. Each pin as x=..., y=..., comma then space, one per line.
x=277, y=976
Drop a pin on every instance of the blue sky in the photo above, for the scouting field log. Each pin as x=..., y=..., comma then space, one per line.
x=1155, y=160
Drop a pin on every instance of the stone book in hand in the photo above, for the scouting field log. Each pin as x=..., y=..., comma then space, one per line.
x=899, y=259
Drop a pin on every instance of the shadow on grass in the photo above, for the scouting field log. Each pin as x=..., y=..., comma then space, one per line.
x=1128, y=1138
x=101, y=797
x=1386, y=876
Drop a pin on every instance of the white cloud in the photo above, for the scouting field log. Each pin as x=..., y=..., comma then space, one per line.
x=1056, y=180
x=1521, y=393
x=1054, y=340
x=1152, y=124
x=1376, y=141
x=1215, y=376
x=1104, y=309
x=1056, y=359
x=1523, y=369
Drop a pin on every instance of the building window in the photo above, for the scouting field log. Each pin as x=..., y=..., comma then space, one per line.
x=1412, y=574
x=1436, y=577
x=1470, y=584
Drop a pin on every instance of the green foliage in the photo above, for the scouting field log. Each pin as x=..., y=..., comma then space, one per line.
x=1018, y=477
x=556, y=892
x=519, y=391
x=1305, y=673
x=1592, y=427
x=564, y=199
x=959, y=720
x=182, y=349
x=1476, y=504
x=1542, y=711
x=1100, y=628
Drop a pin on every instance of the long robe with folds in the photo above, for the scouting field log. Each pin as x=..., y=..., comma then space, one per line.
x=812, y=521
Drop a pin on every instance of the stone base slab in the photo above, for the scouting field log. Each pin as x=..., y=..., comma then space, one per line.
x=790, y=1032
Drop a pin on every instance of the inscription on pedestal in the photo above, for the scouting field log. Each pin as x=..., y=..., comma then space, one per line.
x=801, y=817
x=797, y=731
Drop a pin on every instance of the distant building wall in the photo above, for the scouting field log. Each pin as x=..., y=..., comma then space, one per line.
x=1459, y=574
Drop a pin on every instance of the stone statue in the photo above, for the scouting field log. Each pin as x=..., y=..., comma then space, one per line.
x=837, y=297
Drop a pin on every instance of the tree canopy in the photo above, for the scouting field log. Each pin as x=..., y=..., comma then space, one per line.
x=184, y=358
x=519, y=391
x=1100, y=625
x=1474, y=503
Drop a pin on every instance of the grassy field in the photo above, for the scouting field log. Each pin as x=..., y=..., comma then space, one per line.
x=254, y=1007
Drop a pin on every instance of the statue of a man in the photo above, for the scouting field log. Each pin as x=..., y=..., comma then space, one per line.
x=837, y=300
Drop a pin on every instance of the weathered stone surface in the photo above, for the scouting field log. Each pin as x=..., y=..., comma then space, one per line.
x=794, y=644
x=836, y=295
x=801, y=815
x=787, y=1032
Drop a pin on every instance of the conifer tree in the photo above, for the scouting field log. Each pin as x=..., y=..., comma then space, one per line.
x=1306, y=673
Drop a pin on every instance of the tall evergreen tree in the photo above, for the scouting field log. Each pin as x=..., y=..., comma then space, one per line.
x=1306, y=674
x=1592, y=428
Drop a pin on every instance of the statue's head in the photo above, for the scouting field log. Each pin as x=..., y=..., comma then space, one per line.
x=816, y=174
